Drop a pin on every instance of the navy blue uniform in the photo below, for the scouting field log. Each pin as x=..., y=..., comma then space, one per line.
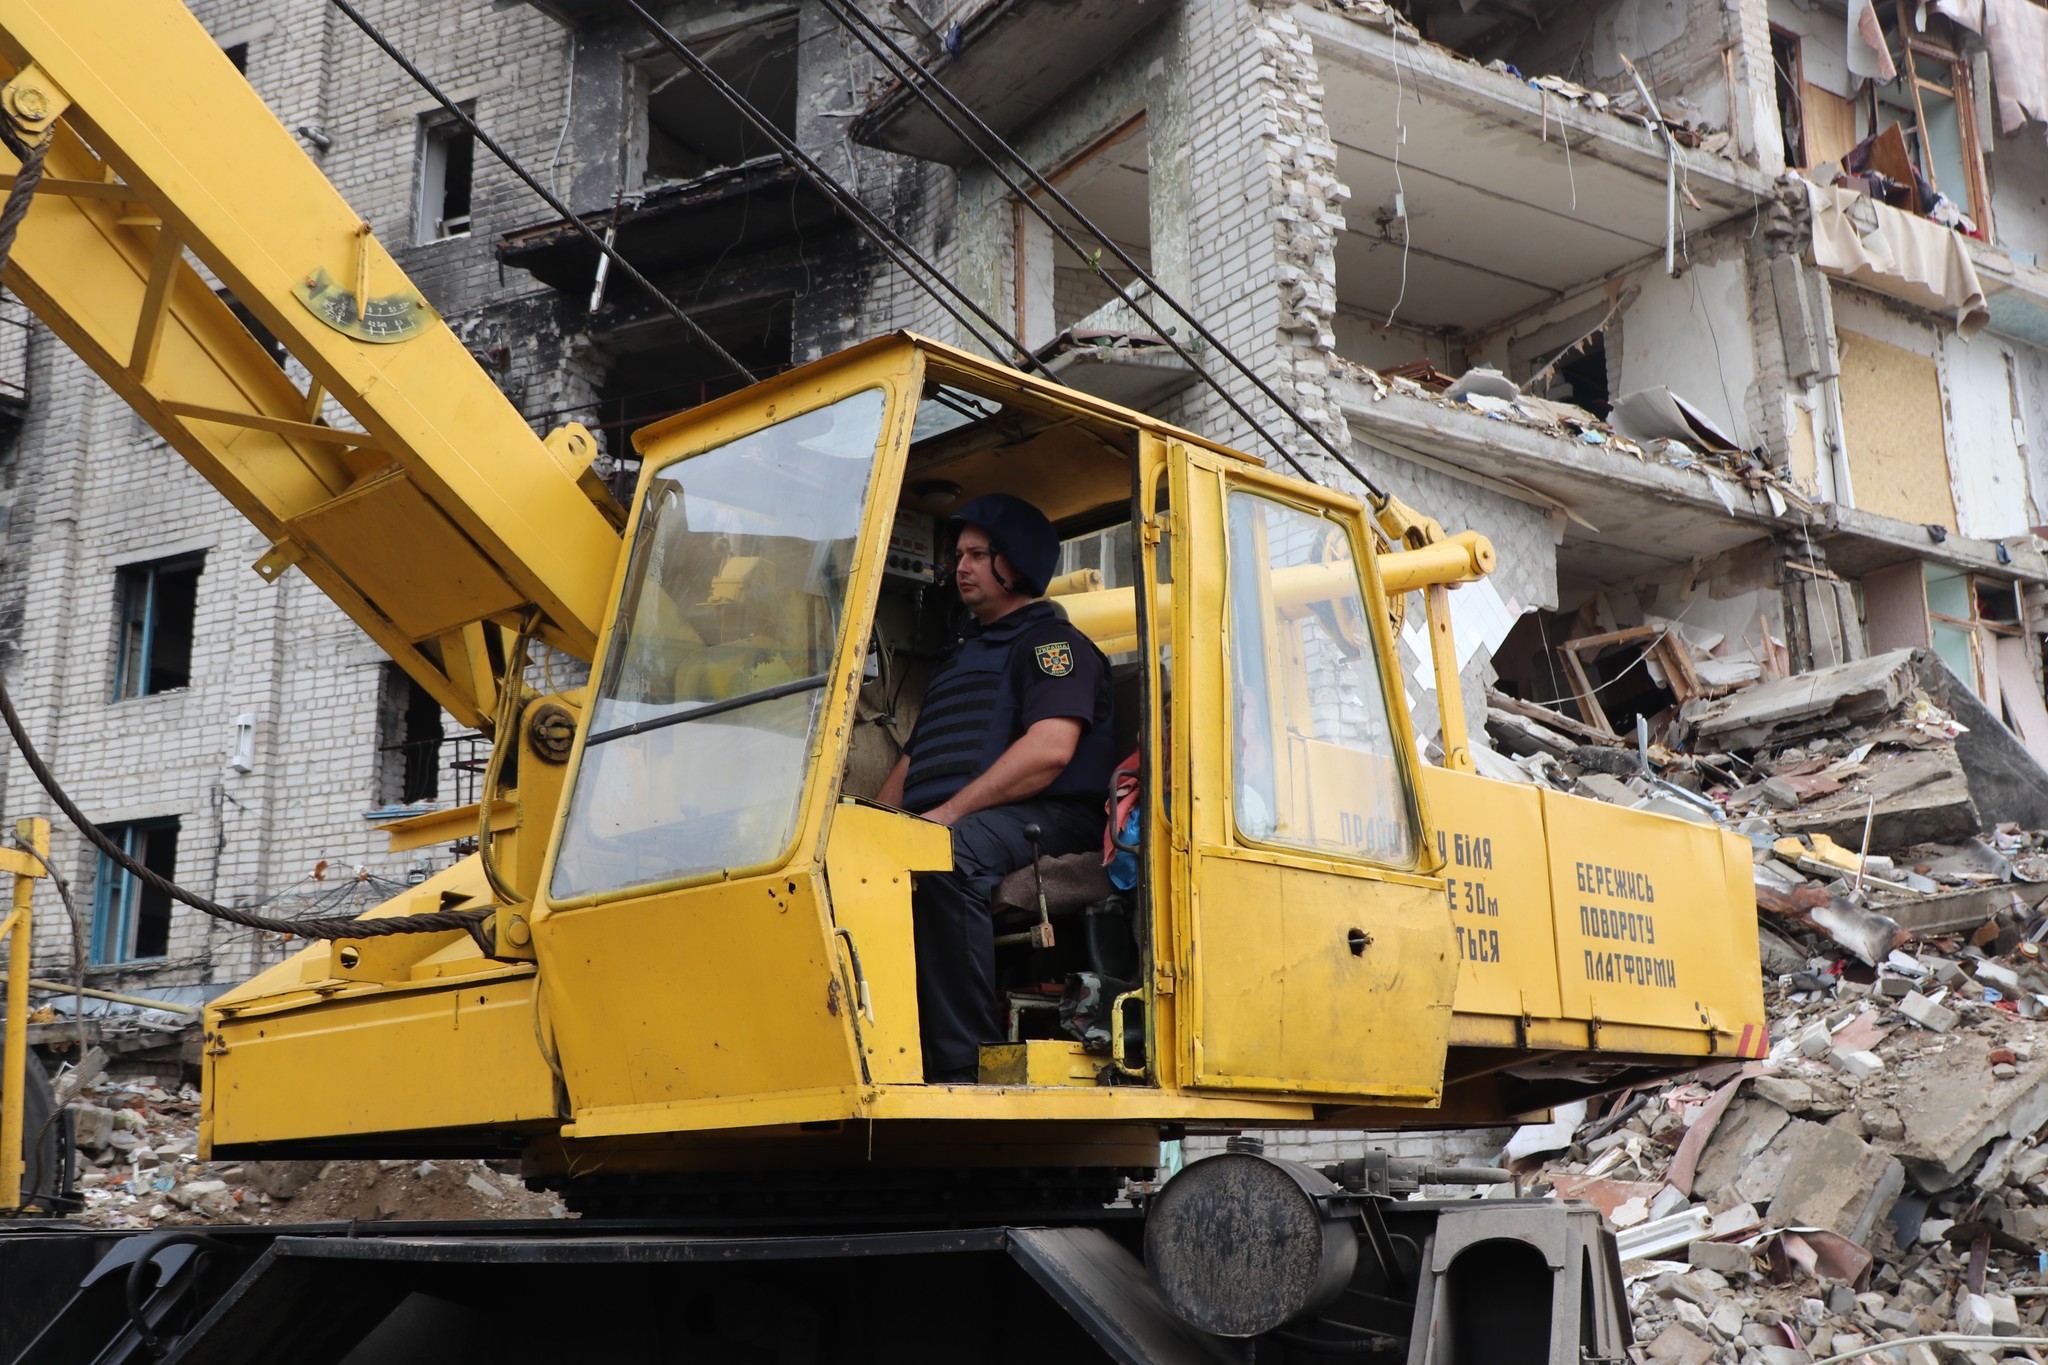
x=998, y=682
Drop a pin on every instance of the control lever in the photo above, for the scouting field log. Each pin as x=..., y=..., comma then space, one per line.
x=1040, y=934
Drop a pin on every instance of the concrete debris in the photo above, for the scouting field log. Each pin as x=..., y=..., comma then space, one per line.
x=1883, y=1172
x=136, y=1165
x=1687, y=442
x=1811, y=703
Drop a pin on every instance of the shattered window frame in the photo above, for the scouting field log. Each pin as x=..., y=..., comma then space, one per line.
x=443, y=147
x=1912, y=53
x=155, y=630
x=656, y=155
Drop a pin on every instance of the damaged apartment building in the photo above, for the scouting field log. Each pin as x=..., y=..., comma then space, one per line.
x=1726, y=320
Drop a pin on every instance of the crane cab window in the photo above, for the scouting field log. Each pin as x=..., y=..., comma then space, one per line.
x=734, y=600
x=1313, y=757
x=965, y=443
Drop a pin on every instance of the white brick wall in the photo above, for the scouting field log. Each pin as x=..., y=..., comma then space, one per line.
x=93, y=487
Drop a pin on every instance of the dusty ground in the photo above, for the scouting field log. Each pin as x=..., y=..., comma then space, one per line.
x=372, y=1191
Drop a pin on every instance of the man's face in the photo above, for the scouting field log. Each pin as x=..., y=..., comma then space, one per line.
x=974, y=577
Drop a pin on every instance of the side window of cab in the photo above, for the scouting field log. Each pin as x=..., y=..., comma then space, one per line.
x=1314, y=763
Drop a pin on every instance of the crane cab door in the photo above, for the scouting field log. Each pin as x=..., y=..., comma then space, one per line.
x=1318, y=955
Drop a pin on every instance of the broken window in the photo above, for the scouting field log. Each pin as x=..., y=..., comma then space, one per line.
x=408, y=741
x=157, y=603
x=1935, y=109
x=1791, y=94
x=1965, y=619
x=446, y=157
x=687, y=129
x=1057, y=287
x=659, y=372
x=131, y=920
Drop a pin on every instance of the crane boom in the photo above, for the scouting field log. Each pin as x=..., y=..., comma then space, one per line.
x=442, y=518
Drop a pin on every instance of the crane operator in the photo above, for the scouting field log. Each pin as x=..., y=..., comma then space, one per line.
x=1016, y=730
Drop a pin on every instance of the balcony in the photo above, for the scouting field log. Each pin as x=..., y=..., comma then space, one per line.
x=667, y=228
x=1009, y=61
x=1476, y=197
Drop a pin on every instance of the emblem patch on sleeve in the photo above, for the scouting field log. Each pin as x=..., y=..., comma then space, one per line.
x=1056, y=660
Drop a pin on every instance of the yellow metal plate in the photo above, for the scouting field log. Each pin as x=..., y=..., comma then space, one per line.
x=869, y=857
x=374, y=533
x=1497, y=880
x=453, y=1057
x=1041, y=1061
x=1650, y=929
x=1289, y=999
x=706, y=994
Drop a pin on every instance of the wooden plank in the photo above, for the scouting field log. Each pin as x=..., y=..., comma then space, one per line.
x=1612, y=637
x=1582, y=692
x=1671, y=652
x=1830, y=125
x=1556, y=720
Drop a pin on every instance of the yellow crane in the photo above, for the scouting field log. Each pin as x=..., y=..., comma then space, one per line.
x=691, y=984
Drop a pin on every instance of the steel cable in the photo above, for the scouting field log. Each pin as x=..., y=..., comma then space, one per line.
x=884, y=236
x=461, y=115
x=922, y=87
x=434, y=922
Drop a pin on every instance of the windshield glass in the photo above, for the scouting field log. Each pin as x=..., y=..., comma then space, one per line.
x=716, y=670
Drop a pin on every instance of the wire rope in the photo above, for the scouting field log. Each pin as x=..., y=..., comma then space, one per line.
x=462, y=116
x=900, y=251
x=922, y=89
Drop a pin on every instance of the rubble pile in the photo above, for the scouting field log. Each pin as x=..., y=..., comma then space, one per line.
x=1882, y=1175
x=1652, y=424
x=136, y=1166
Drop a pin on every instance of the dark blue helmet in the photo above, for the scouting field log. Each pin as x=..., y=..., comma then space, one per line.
x=1018, y=532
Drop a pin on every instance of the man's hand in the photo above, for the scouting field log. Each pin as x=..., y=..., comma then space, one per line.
x=1024, y=770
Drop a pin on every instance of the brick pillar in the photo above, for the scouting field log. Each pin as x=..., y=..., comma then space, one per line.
x=1307, y=209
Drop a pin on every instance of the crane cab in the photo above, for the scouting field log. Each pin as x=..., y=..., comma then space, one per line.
x=724, y=935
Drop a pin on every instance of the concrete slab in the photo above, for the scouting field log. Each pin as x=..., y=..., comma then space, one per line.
x=1922, y=796
x=1953, y=1107
x=1010, y=61
x=1828, y=698
x=1953, y=910
x=1759, y=1181
x=2006, y=780
x=1789, y=1093
x=1834, y=1180
x=1744, y=1131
